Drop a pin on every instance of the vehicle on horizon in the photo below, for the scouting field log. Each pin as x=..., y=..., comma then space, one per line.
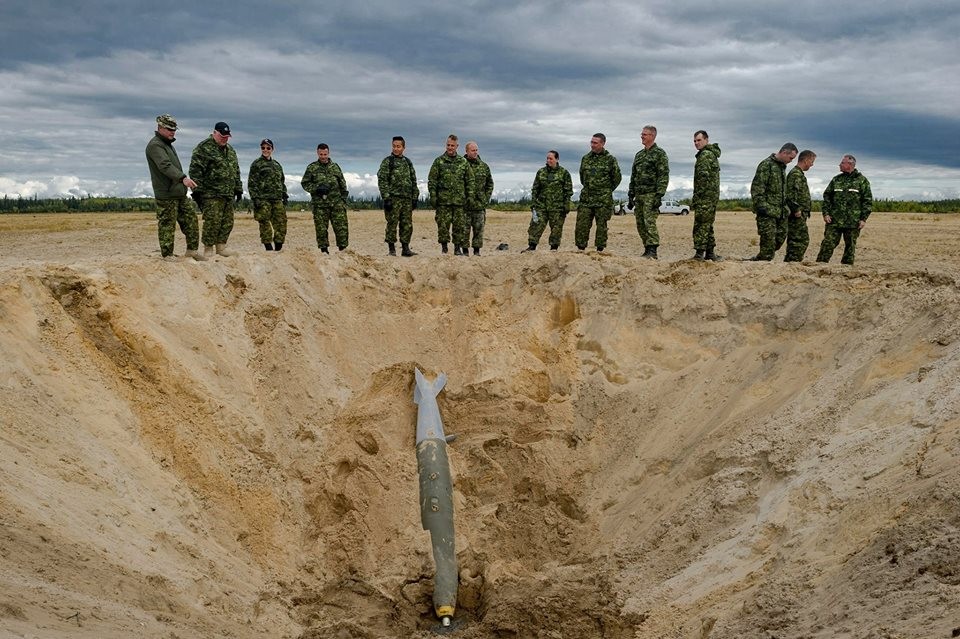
x=674, y=207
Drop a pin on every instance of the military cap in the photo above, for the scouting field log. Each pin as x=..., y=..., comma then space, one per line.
x=222, y=128
x=167, y=121
x=266, y=141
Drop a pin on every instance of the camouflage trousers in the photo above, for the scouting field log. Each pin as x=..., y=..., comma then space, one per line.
x=703, y=218
x=536, y=228
x=451, y=215
x=217, y=220
x=772, y=232
x=271, y=215
x=585, y=217
x=169, y=214
x=476, y=220
x=831, y=237
x=798, y=238
x=325, y=216
x=646, y=215
x=400, y=214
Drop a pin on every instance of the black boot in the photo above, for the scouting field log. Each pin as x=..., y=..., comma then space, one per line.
x=391, y=248
x=699, y=255
x=277, y=246
x=600, y=249
x=324, y=249
x=268, y=246
x=465, y=251
x=443, y=247
x=405, y=251
x=713, y=257
x=530, y=248
x=456, y=250
x=648, y=253
x=476, y=250
x=653, y=252
x=554, y=247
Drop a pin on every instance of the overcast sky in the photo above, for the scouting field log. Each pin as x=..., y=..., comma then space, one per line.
x=82, y=83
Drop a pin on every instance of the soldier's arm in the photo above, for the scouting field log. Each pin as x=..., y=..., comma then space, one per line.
x=309, y=180
x=663, y=174
x=615, y=176
x=253, y=181
x=758, y=189
x=536, y=191
x=342, y=183
x=432, y=181
x=469, y=183
x=237, y=180
x=283, y=181
x=382, y=176
x=198, y=171
x=866, y=200
x=567, y=186
x=631, y=190
x=162, y=162
x=488, y=191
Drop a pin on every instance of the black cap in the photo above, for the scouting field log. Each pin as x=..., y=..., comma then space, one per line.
x=222, y=128
x=266, y=141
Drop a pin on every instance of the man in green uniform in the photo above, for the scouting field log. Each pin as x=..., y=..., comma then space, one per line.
x=324, y=181
x=706, y=194
x=799, y=205
x=476, y=208
x=397, y=181
x=847, y=203
x=451, y=185
x=649, y=177
x=769, y=205
x=599, y=176
x=551, y=193
x=216, y=171
x=170, y=186
x=268, y=190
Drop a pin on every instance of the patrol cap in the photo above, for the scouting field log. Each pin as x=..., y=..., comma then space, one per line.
x=266, y=141
x=222, y=128
x=167, y=121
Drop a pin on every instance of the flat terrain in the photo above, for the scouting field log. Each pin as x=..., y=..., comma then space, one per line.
x=668, y=449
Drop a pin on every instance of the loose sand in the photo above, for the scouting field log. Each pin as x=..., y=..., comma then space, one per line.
x=645, y=449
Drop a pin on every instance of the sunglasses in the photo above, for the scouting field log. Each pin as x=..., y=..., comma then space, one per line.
x=264, y=146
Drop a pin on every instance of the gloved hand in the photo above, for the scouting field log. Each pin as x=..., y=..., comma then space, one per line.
x=762, y=210
x=630, y=204
x=285, y=198
x=387, y=205
x=239, y=196
x=197, y=197
x=414, y=202
x=322, y=190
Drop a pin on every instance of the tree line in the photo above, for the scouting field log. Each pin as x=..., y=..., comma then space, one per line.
x=143, y=204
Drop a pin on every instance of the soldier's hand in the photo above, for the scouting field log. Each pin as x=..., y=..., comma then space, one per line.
x=387, y=205
x=285, y=198
x=197, y=197
x=239, y=196
x=762, y=210
x=187, y=182
x=630, y=204
x=827, y=219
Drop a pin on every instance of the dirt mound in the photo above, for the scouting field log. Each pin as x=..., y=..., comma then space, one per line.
x=644, y=450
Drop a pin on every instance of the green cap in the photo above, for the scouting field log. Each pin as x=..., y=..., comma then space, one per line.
x=167, y=121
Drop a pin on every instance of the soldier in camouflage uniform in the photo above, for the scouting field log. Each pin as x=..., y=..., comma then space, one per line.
x=170, y=186
x=799, y=205
x=215, y=169
x=769, y=205
x=397, y=181
x=551, y=193
x=451, y=186
x=476, y=208
x=649, y=177
x=324, y=181
x=268, y=190
x=847, y=203
x=599, y=176
x=706, y=194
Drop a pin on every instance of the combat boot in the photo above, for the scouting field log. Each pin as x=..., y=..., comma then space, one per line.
x=224, y=251
x=324, y=249
x=208, y=252
x=653, y=252
x=699, y=255
x=268, y=246
x=456, y=250
x=277, y=246
x=443, y=247
x=476, y=250
x=195, y=254
x=600, y=249
x=648, y=253
x=530, y=248
x=405, y=251
x=554, y=247
x=713, y=257
x=391, y=249
x=464, y=251
x=169, y=258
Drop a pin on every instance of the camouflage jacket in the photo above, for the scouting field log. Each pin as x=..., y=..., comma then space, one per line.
x=483, y=182
x=400, y=182
x=215, y=170
x=166, y=174
x=767, y=189
x=325, y=183
x=798, y=193
x=265, y=180
x=650, y=172
x=848, y=199
x=706, y=177
x=451, y=181
x=600, y=176
x=552, y=189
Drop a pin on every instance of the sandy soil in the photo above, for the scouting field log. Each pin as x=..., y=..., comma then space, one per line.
x=645, y=449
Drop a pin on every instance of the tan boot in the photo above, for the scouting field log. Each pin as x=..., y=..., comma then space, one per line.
x=208, y=252
x=170, y=258
x=224, y=251
x=195, y=254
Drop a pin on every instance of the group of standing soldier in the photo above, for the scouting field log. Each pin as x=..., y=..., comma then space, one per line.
x=460, y=188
